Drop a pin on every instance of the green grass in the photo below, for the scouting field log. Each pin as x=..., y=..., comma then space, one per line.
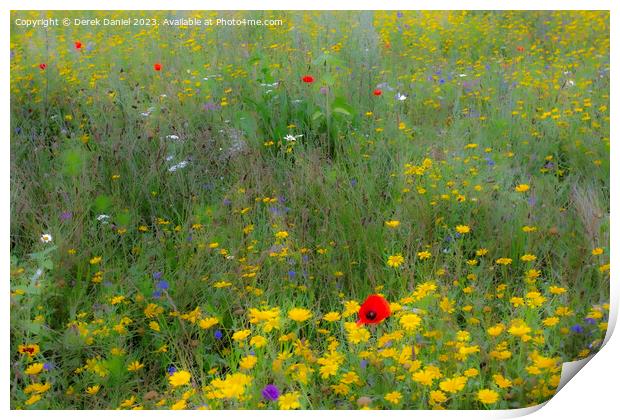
x=493, y=100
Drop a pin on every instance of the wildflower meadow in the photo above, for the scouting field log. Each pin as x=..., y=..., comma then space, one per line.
x=306, y=210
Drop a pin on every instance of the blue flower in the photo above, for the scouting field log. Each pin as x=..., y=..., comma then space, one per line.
x=162, y=285
x=218, y=334
x=157, y=275
x=171, y=369
x=271, y=392
x=578, y=329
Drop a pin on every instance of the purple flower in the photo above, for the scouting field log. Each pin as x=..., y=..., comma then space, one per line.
x=578, y=329
x=590, y=321
x=66, y=215
x=218, y=335
x=162, y=285
x=157, y=275
x=211, y=106
x=363, y=363
x=271, y=392
x=171, y=369
x=227, y=202
x=399, y=14
x=47, y=366
x=291, y=273
x=157, y=294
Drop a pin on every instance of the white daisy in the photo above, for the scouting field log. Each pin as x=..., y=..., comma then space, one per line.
x=46, y=238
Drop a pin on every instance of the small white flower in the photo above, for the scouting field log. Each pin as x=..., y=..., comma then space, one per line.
x=46, y=238
x=103, y=218
x=400, y=96
x=178, y=166
x=462, y=75
x=172, y=137
x=290, y=137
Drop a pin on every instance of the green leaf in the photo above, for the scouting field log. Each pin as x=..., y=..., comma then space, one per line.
x=102, y=203
x=341, y=106
x=72, y=161
x=317, y=115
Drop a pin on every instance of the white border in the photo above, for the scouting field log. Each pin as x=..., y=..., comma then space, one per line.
x=592, y=394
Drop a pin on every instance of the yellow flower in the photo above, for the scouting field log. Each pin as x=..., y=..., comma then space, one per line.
x=551, y=321
x=597, y=251
x=356, y=334
x=248, y=362
x=37, y=388
x=350, y=307
x=424, y=255
x=241, y=335
x=154, y=326
x=528, y=258
x=392, y=224
x=453, y=385
x=331, y=316
x=438, y=397
x=95, y=260
x=258, y=341
x=410, y=322
x=135, y=365
x=393, y=397
x=522, y=188
x=495, y=330
x=207, y=323
x=92, y=390
x=503, y=261
x=519, y=329
x=179, y=378
x=482, y=252
x=289, y=401
x=34, y=369
x=556, y=290
x=179, y=405
x=502, y=382
x=282, y=234
x=488, y=396
x=29, y=349
x=152, y=310
x=299, y=314
x=395, y=260
x=33, y=399
x=462, y=229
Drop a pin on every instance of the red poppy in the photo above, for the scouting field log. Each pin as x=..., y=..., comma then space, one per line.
x=78, y=45
x=42, y=66
x=157, y=66
x=520, y=48
x=307, y=79
x=374, y=310
x=377, y=92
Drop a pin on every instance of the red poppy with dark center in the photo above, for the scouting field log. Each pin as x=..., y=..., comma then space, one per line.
x=374, y=310
x=377, y=92
x=78, y=45
x=157, y=66
x=307, y=79
x=42, y=66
